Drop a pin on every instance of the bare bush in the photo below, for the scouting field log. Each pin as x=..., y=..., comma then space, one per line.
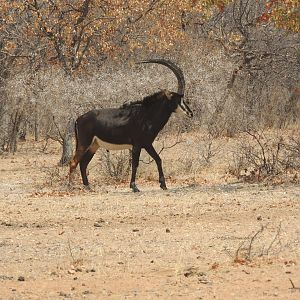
x=264, y=156
x=210, y=149
x=115, y=166
x=54, y=177
x=264, y=243
x=293, y=147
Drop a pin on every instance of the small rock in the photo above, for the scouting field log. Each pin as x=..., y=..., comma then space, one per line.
x=135, y=230
x=259, y=218
x=21, y=278
x=6, y=223
x=4, y=277
x=204, y=281
x=90, y=270
x=97, y=224
x=86, y=292
x=214, y=266
x=63, y=294
x=168, y=230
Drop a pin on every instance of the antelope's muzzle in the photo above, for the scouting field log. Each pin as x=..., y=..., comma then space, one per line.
x=185, y=109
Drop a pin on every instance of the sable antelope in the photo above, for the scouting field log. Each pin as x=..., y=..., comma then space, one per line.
x=133, y=126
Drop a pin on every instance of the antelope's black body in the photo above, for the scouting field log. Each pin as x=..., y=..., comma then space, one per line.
x=132, y=126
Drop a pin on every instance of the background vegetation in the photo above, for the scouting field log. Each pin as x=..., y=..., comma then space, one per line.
x=241, y=60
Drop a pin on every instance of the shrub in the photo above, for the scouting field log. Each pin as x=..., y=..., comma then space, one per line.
x=265, y=156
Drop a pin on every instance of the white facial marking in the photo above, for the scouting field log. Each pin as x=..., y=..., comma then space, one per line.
x=183, y=108
x=98, y=143
x=180, y=109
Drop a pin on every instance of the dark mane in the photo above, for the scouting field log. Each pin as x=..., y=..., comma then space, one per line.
x=148, y=100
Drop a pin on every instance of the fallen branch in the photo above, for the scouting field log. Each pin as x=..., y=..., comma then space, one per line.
x=293, y=285
x=277, y=235
x=252, y=240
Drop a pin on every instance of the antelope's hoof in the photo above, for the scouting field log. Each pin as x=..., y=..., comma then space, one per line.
x=163, y=186
x=88, y=188
x=134, y=188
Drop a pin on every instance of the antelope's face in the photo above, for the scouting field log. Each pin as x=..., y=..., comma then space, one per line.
x=184, y=108
x=179, y=103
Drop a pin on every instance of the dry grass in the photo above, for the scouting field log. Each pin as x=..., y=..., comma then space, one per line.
x=191, y=241
x=192, y=158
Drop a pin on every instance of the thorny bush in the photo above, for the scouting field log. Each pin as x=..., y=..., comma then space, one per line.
x=263, y=155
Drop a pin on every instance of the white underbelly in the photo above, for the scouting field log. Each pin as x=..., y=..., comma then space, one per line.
x=98, y=143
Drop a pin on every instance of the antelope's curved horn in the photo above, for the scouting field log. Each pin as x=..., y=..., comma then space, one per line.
x=176, y=70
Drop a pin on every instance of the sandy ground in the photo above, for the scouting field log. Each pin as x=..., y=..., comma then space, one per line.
x=213, y=240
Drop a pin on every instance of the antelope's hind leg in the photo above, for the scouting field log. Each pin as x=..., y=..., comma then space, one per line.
x=74, y=162
x=87, y=157
x=83, y=155
x=85, y=160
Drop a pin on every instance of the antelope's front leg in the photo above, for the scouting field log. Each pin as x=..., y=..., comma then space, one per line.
x=161, y=178
x=136, y=151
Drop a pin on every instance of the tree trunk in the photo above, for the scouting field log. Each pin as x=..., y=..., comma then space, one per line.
x=67, y=143
x=15, y=125
x=23, y=130
x=36, y=124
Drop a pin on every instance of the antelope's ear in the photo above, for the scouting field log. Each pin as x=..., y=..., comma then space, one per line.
x=168, y=94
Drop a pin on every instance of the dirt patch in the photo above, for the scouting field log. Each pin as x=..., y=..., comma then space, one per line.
x=190, y=242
